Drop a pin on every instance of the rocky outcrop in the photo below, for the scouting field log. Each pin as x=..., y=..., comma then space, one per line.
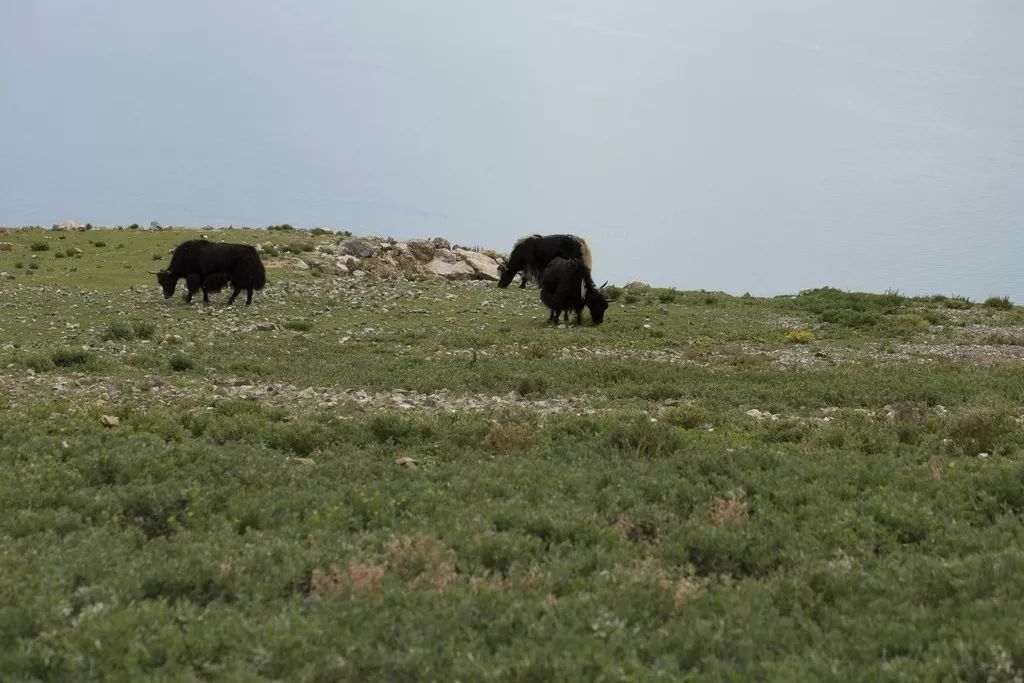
x=459, y=270
x=357, y=247
x=485, y=267
x=360, y=256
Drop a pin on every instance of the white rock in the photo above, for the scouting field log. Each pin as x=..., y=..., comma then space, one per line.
x=486, y=267
x=451, y=271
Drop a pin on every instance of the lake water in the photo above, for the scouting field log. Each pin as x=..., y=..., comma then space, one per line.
x=747, y=145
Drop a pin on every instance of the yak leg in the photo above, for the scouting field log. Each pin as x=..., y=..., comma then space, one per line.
x=192, y=282
x=579, y=316
x=248, y=296
x=233, y=295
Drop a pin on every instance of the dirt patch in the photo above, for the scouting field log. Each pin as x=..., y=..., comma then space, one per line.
x=723, y=511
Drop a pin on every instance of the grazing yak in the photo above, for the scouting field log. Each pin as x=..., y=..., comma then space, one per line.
x=566, y=286
x=532, y=254
x=212, y=265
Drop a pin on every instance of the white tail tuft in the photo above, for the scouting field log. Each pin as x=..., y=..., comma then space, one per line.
x=588, y=260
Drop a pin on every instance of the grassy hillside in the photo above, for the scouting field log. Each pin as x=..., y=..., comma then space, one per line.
x=359, y=479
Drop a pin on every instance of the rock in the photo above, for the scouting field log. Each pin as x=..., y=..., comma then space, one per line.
x=266, y=327
x=301, y=461
x=68, y=225
x=406, y=462
x=636, y=284
x=451, y=271
x=422, y=250
x=6, y=246
x=446, y=255
x=357, y=247
x=110, y=421
x=441, y=243
x=762, y=415
x=486, y=268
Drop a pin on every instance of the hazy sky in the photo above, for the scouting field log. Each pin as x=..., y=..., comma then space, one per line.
x=746, y=145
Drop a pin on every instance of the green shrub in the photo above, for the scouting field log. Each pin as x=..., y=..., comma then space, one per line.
x=687, y=416
x=909, y=323
x=99, y=244
x=667, y=296
x=284, y=227
x=532, y=385
x=33, y=266
x=143, y=329
x=800, y=337
x=980, y=429
x=317, y=232
x=298, y=325
x=39, y=246
x=38, y=362
x=64, y=358
x=19, y=264
x=643, y=438
x=957, y=303
x=612, y=292
x=180, y=362
x=118, y=330
x=1001, y=303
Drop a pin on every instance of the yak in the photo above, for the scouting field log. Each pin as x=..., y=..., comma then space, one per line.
x=532, y=254
x=210, y=266
x=566, y=286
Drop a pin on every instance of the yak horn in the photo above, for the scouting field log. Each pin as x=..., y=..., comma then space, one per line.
x=153, y=272
x=604, y=285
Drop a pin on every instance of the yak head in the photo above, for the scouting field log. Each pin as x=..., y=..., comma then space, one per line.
x=597, y=302
x=167, y=282
x=505, y=275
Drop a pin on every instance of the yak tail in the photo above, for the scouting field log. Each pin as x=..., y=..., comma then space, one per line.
x=586, y=257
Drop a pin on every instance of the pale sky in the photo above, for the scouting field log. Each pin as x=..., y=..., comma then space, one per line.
x=746, y=145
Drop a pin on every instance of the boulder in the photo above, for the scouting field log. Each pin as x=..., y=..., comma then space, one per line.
x=451, y=271
x=422, y=250
x=357, y=247
x=485, y=267
x=446, y=255
x=441, y=243
x=68, y=225
x=349, y=261
x=636, y=284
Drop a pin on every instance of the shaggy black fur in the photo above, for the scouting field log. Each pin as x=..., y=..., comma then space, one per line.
x=532, y=254
x=211, y=266
x=567, y=286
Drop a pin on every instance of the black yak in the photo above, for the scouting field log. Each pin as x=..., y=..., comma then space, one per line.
x=532, y=254
x=212, y=265
x=566, y=286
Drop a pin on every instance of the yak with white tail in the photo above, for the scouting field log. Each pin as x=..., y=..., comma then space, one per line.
x=531, y=255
